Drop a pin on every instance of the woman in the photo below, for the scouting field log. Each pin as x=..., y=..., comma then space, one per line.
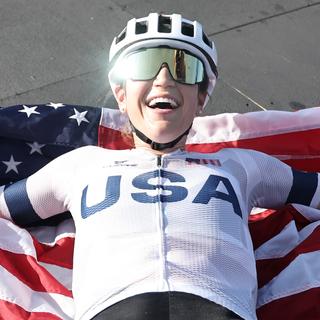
x=161, y=233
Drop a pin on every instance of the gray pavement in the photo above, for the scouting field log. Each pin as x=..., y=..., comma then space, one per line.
x=57, y=50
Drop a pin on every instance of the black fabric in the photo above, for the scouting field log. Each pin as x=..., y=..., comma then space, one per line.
x=166, y=306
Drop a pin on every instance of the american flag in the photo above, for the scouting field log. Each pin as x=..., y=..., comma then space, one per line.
x=36, y=262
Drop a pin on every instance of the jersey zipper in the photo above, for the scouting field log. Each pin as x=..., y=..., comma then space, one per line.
x=164, y=285
x=159, y=161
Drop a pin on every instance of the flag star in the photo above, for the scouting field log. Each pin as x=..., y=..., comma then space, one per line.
x=79, y=116
x=35, y=147
x=12, y=165
x=56, y=105
x=29, y=110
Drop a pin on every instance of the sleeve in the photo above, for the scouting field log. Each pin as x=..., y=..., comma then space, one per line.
x=44, y=194
x=273, y=184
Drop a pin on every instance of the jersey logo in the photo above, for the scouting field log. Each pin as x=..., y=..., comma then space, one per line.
x=112, y=195
x=178, y=193
x=214, y=187
x=213, y=162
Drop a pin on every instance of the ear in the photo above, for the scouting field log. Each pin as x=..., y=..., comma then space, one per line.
x=201, y=100
x=120, y=95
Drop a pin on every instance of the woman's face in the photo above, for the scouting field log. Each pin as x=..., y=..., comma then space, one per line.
x=161, y=108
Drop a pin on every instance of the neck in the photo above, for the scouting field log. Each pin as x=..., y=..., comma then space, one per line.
x=160, y=146
x=139, y=144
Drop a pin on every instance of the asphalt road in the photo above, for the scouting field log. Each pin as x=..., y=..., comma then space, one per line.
x=57, y=50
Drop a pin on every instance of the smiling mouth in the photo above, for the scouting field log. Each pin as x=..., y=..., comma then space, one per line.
x=163, y=103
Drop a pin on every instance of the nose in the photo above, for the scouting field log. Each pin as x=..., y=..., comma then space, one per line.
x=164, y=78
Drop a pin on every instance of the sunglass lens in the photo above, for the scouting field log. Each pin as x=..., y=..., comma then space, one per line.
x=146, y=63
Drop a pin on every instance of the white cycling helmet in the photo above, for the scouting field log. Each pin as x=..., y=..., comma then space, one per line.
x=170, y=30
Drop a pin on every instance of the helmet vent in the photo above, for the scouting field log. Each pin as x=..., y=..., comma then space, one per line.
x=206, y=40
x=187, y=29
x=141, y=27
x=164, y=24
x=121, y=36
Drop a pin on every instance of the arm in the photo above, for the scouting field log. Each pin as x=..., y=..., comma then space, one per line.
x=40, y=196
x=273, y=184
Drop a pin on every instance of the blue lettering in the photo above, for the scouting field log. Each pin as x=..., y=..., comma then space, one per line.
x=209, y=190
x=172, y=193
x=112, y=195
x=178, y=193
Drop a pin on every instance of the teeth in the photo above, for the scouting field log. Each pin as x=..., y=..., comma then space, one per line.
x=155, y=101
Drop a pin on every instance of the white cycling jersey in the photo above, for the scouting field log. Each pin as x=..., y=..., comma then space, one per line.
x=147, y=223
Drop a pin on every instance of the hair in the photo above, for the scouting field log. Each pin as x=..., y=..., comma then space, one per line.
x=203, y=85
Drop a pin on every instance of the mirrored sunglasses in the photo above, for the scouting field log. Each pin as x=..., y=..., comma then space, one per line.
x=145, y=64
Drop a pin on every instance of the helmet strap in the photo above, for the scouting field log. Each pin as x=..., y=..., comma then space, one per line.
x=156, y=145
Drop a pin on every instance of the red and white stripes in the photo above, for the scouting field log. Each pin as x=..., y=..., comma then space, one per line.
x=32, y=288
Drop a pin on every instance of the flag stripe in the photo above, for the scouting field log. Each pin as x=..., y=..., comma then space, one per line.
x=235, y=126
x=13, y=311
x=272, y=267
x=310, y=165
x=292, y=279
x=31, y=273
x=285, y=241
x=267, y=143
x=304, y=305
x=274, y=222
x=62, y=275
x=114, y=139
x=15, y=239
x=15, y=291
x=60, y=254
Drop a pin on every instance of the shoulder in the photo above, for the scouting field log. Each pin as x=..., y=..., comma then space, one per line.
x=244, y=152
x=231, y=152
x=79, y=156
x=245, y=157
x=88, y=151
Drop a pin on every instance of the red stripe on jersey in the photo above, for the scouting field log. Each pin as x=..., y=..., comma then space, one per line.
x=60, y=254
x=269, y=268
x=28, y=271
x=304, y=305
